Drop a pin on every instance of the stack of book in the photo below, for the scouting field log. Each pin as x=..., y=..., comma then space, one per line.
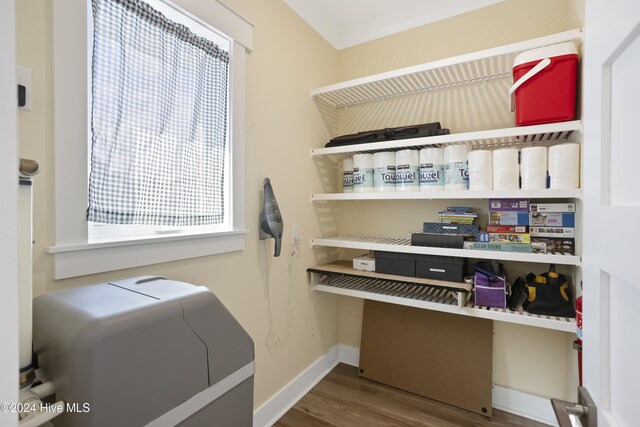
x=454, y=225
x=508, y=229
x=457, y=215
x=552, y=228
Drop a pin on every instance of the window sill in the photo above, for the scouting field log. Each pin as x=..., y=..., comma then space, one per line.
x=84, y=259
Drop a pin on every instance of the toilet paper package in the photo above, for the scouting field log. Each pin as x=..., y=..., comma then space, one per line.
x=506, y=171
x=564, y=166
x=407, y=170
x=384, y=172
x=431, y=169
x=362, y=173
x=347, y=176
x=456, y=167
x=480, y=170
x=533, y=168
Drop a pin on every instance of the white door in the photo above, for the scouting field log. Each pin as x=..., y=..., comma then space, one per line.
x=8, y=215
x=611, y=259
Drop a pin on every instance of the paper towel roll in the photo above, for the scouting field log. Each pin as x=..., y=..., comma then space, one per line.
x=505, y=159
x=456, y=167
x=384, y=172
x=506, y=171
x=431, y=169
x=480, y=171
x=347, y=175
x=407, y=168
x=362, y=173
x=564, y=166
x=533, y=168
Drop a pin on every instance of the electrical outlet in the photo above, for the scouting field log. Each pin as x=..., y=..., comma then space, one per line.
x=295, y=235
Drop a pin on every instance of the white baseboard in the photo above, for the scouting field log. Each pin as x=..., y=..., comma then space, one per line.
x=349, y=354
x=269, y=412
x=523, y=404
x=508, y=400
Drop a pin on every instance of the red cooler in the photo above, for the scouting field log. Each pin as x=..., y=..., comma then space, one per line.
x=544, y=88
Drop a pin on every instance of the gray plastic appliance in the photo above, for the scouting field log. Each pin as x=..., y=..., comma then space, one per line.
x=144, y=351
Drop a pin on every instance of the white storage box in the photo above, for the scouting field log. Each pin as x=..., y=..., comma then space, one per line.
x=364, y=263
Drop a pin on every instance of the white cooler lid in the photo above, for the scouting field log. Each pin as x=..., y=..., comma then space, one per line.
x=566, y=48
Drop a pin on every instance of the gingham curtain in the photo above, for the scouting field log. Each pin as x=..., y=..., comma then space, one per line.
x=158, y=120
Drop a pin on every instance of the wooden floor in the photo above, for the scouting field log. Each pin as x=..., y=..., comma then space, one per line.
x=342, y=399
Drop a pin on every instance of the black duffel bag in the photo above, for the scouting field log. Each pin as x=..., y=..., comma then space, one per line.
x=389, y=134
x=549, y=294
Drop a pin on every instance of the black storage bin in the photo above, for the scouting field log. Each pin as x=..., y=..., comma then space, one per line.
x=395, y=263
x=437, y=240
x=452, y=269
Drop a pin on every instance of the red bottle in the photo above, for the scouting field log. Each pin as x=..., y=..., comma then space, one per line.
x=578, y=342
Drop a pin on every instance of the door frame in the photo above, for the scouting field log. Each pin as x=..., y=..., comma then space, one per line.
x=8, y=213
x=610, y=29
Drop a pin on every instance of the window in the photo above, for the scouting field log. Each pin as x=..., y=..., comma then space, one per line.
x=159, y=124
x=163, y=160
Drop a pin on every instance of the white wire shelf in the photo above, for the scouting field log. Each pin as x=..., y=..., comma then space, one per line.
x=519, y=135
x=429, y=298
x=403, y=245
x=453, y=195
x=464, y=69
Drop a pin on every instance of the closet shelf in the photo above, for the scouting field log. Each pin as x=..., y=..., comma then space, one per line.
x=549, y=132
x=453, y=195
x=344, y=268
x=403, y=245
x=464, y=69
x=429, y=298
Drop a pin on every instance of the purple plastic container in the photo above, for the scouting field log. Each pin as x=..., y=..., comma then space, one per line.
x=489, y=291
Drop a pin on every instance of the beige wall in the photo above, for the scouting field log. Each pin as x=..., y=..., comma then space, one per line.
x=531, y=360
x=506, y=22
x=269, y=296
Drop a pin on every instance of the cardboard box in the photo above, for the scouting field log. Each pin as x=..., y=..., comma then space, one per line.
x=509, y=238
x=508, y=218
x=500, y=247
x=553, y=232
x=553, y=207
x=518, y=205
x=550, y=245
x=552, y=219
x=507, y=229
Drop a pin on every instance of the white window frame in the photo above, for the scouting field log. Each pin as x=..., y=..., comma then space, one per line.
x=73, y=254
x=101, y=232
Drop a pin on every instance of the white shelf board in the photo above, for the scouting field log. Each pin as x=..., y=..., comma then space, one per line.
x=403, y=245
x=345, y=269
x=453, y=195
x=448, y=304
x=518, y=135
x=463, y=69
